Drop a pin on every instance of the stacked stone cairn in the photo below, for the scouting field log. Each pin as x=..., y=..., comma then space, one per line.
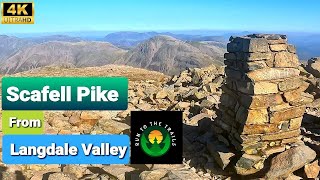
x=263, y=100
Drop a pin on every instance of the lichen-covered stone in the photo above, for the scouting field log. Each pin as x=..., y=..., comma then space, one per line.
x=280, y=135
x=259, y=129
x=290, y=84
x=260, y=101
x=245, y=116
x=257, y=87
x=272, y=74
x=255, y=45
x=278, y=47
x=286, y=59
x=256, y=56
x=295, y=123
x=287, y=114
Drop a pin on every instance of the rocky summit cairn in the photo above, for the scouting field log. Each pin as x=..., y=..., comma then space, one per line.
x=263, y=100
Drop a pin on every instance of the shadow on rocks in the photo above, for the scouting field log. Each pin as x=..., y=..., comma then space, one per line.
x=18, y=175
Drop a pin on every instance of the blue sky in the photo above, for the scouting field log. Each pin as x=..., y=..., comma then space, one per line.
x=144, y=15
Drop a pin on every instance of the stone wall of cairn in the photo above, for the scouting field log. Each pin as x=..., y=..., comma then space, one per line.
x=263, y=100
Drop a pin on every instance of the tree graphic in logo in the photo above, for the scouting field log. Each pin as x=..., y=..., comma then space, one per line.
x=155, y=141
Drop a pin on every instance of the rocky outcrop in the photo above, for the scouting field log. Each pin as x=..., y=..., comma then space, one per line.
x=263, y=101
x=289, y=161
x=313, y=66
x=194, y=91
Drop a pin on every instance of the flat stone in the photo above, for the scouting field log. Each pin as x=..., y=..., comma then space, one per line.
x=278, y=41
x=258, y=116
x=257, y=87
x=290, y=140
x=251, y=147
x=260, y=101
x=273, y=150
x=292, y=96
x=290, y=84
x=287, y=114
x=256, y=56
x=272, y=74
x=286, y=59
x=279, y=107
x=278, y=47
x=259, y=129
x=269, y=36
x=255, y=45
x=295, y=123
x=87, y=115
x=252, y=66
x=281, y=135
x=289, y=161
x=166, y=166
x=305, y=98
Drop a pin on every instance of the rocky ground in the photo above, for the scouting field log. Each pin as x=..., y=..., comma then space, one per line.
x=197, y=93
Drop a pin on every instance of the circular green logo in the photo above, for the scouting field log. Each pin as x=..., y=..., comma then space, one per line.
x=155, y=141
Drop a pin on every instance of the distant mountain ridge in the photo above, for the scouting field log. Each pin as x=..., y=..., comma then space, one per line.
x=170, y=55
x=63, y=38
x=9, y=45
x=160, y=53
x=79, y=54
x=127, y=39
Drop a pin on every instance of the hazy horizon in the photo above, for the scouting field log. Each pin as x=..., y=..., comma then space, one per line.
x=203, y=32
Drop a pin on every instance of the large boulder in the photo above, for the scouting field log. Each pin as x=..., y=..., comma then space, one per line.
x=289, y=161
x=313, y=66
